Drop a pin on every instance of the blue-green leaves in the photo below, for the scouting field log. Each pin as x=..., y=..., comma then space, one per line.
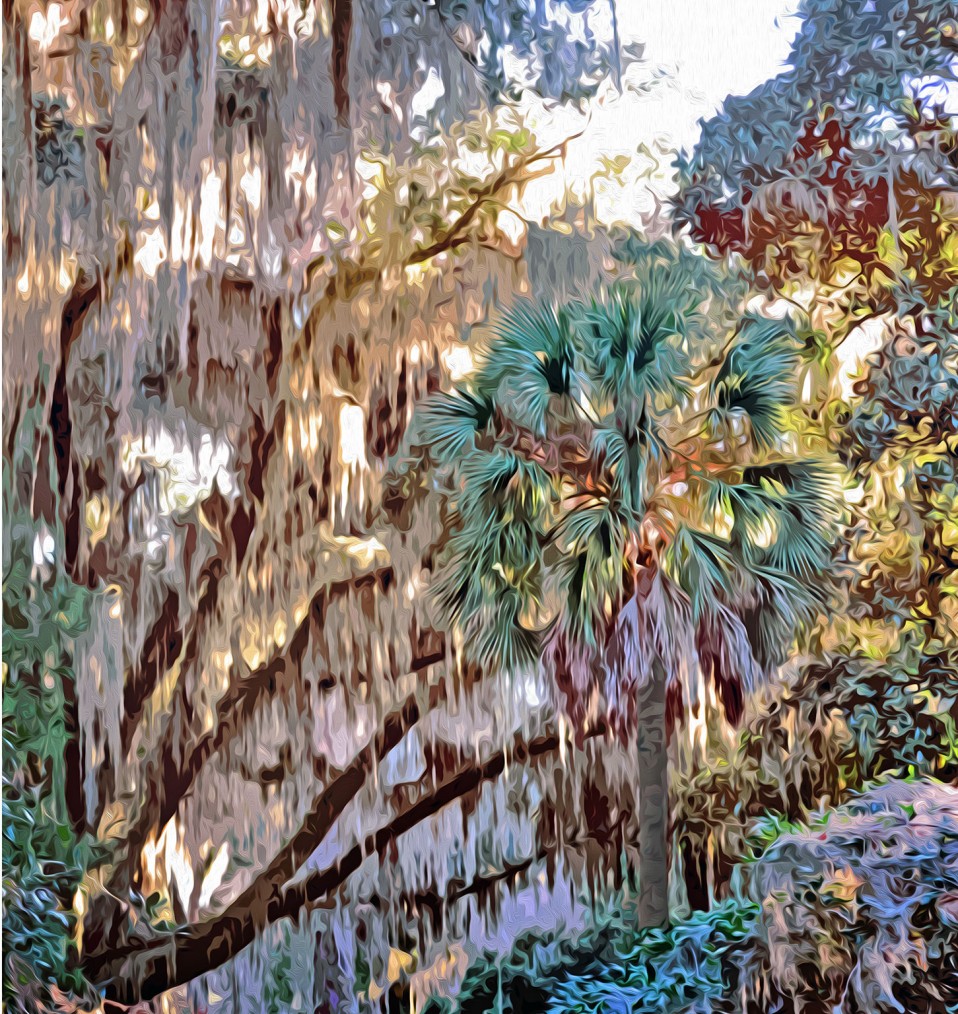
x=531, y=364
x=448, y=423
x=756, y=378
x=783, y=514
x=620, y=486
x=633, y=347
x=703, y=566
x=591, y=569
x=491, y=581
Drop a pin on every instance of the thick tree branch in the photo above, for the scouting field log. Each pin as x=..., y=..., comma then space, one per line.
x=162, y=644
x=187, y=956
x=171, y=777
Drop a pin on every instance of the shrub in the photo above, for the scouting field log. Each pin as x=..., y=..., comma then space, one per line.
x=855, y=912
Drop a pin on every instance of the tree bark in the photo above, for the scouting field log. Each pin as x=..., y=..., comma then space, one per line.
x=653, y=764
x=695, y=867
x=342, y=11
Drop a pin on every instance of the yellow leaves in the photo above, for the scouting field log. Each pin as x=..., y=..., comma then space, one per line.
x=874, y=639
x=416, y=274
x=890, y=254
x=614, y=167
x=375, y=172
x=842, y=886
x=97, y=516
x=949, y=252
x=399, y=963
x=245, y=50
x=517, y=141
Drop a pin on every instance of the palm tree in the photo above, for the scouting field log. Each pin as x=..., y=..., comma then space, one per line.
x=625, y=506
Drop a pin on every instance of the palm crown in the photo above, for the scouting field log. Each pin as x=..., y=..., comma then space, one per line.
x=623, y=486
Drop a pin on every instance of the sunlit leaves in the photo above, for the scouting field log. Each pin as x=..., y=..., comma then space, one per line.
x=42, y=858
x=784, y=514
x=840, y=156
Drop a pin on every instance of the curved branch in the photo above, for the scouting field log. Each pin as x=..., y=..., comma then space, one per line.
x=348, y=277
x=187, y=956
x=510, y=176
x=171, y=777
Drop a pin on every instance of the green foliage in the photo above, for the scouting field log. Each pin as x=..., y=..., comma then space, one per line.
x=44, y=857
x=897, y=638
x=856, y=907
x=618, y=474
x=901, y=711
x=556, y=44
x=279, y=987
x=907, y=399
x=848, y=173
x=859, y=908
x=755, y=378
x=612, y=967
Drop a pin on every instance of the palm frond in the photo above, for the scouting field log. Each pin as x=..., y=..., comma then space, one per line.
x=531, y=363
x=781, y=607
x=625, y=464
x=557, y=444
x=655, y=624
x=493, y=558
x=483, y=569
x=756, y=378
x=589, y=574
x=801, y=505
x=447, y=424
x=498, y=639
x=633, y=348
x=499, y=486
x=703, y=566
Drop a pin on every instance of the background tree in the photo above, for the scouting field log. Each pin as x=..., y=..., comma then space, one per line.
x=839, y=173
x=845, y=203
x=237, y=225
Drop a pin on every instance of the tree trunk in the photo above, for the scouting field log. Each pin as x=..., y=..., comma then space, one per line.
x=695, y=867
x=653, y=803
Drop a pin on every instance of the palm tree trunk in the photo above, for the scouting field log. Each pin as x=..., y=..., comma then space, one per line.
x=653, y=802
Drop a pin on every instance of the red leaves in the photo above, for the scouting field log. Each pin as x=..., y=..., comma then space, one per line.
x=722, y=229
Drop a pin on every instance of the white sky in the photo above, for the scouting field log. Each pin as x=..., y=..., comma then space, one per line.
x=696, y=52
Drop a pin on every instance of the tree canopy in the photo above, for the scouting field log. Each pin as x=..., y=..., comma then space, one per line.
x=423, y=590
